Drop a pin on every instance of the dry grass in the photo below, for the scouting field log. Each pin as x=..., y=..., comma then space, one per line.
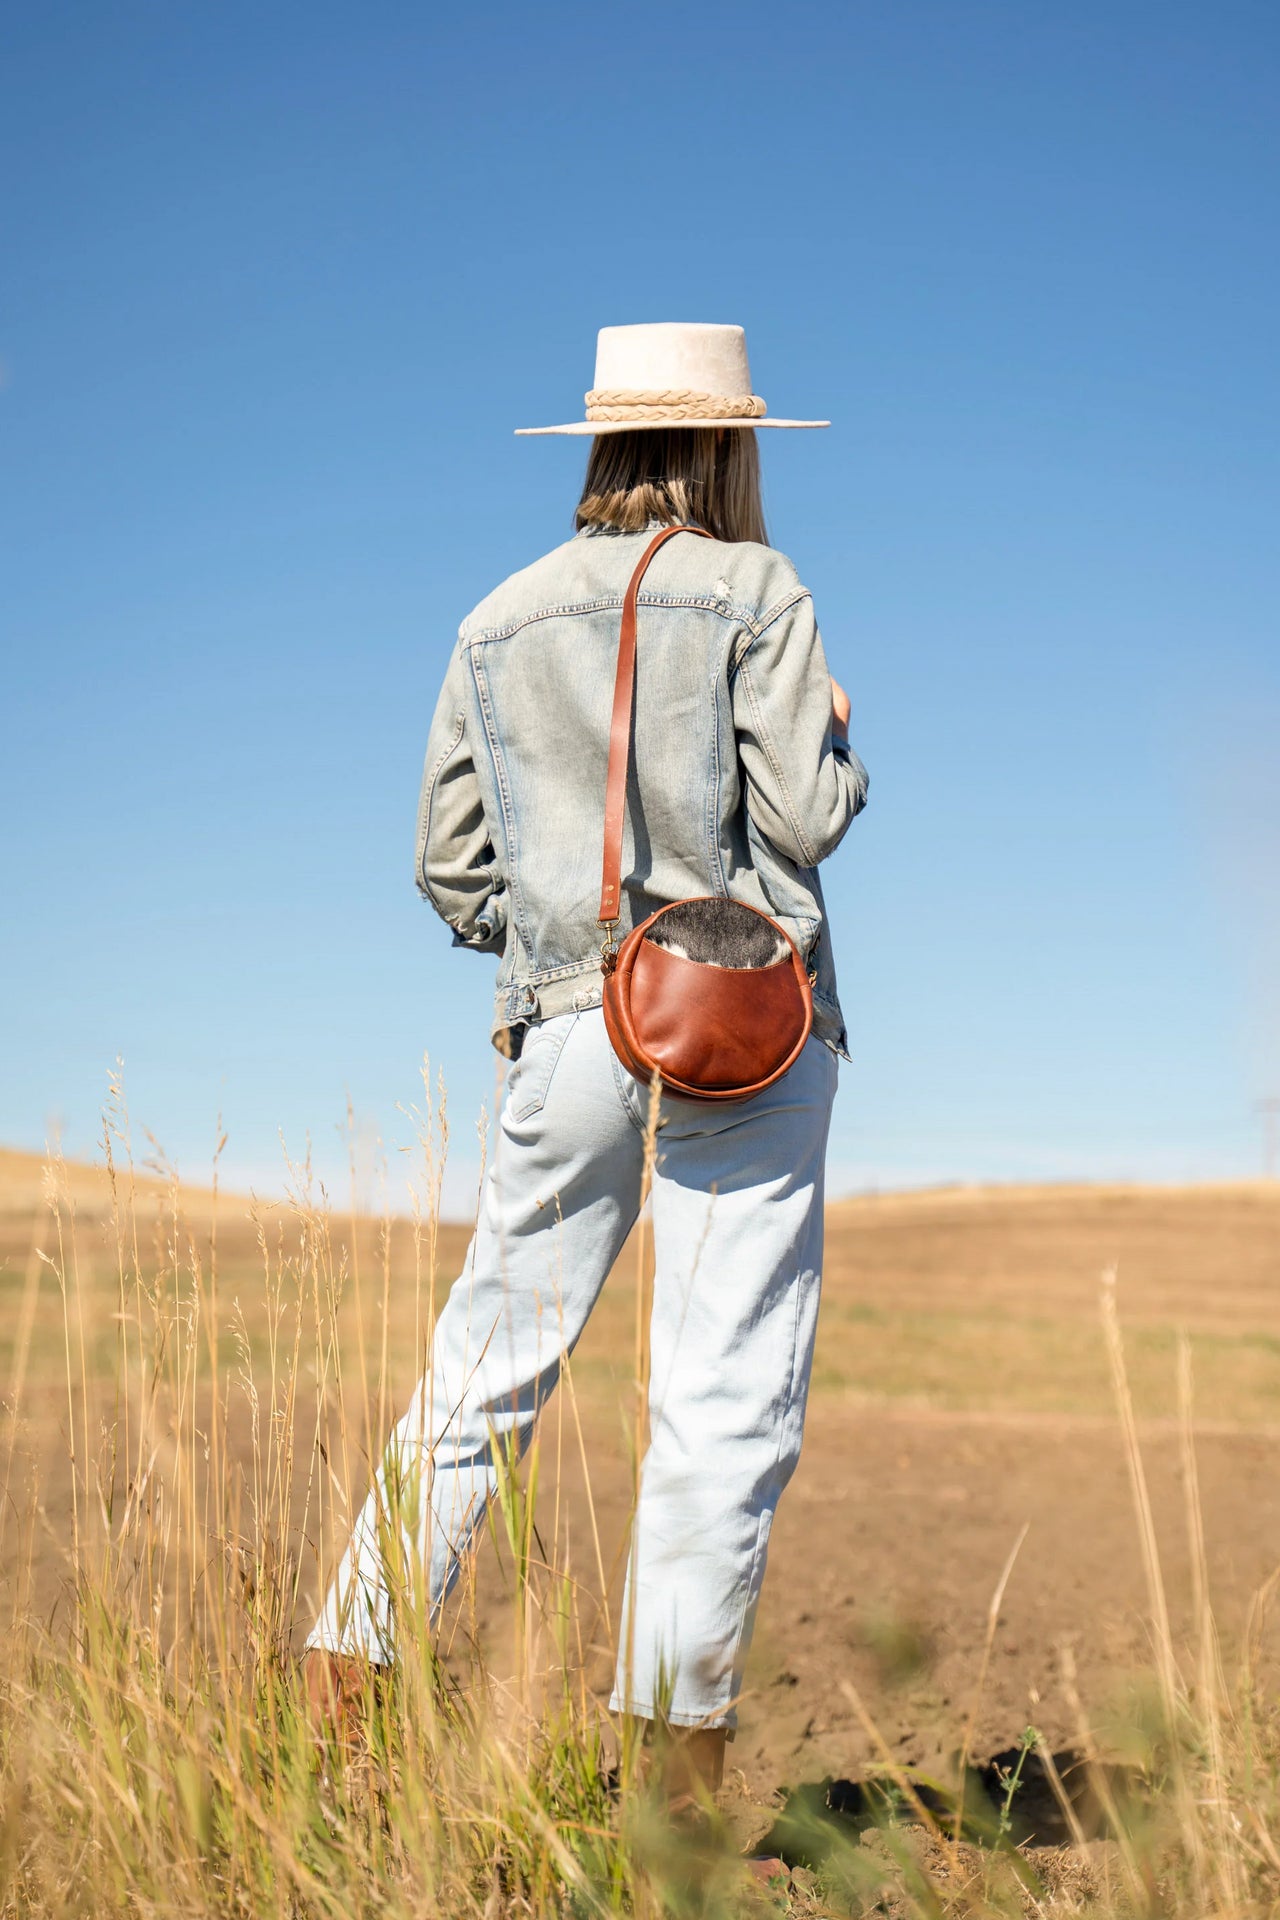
x=218, y=1421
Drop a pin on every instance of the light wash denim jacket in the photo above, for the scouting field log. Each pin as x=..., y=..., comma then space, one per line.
x=736, y=786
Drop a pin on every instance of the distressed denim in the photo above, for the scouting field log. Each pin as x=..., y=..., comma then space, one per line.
x=737, y=1230
x=736, y=786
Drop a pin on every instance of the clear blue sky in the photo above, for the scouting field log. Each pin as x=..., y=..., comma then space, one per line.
x=279, y=282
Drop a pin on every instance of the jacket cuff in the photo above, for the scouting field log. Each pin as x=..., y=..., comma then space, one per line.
x=487, y=933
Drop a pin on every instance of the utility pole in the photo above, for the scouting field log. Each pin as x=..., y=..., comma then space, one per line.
x=1270, y=1112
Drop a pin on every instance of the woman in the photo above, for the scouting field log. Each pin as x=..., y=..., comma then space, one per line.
x=742, y=783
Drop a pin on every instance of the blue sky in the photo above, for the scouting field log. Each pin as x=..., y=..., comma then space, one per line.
x=278, y=285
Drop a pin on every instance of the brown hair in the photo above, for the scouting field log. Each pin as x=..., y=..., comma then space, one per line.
x=706, y=476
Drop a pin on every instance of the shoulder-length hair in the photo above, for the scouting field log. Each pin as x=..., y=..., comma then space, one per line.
x=706, y=476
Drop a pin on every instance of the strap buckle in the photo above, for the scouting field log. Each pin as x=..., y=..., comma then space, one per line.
x=608, y=947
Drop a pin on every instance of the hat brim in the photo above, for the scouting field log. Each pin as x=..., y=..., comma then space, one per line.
x=638, y=426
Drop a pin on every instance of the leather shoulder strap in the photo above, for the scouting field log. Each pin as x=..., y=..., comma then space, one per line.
x=615, y=793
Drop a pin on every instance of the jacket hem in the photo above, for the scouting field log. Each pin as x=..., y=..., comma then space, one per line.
x=580, y=987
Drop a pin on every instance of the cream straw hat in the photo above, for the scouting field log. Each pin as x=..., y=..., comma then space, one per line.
x=671, y=374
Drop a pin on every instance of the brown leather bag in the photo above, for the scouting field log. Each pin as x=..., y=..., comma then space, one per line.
x=710, y=994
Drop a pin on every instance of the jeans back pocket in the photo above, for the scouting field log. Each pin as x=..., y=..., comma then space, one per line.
x=531, y=1078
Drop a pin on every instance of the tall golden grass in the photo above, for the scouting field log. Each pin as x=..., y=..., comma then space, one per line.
x=155, y=1752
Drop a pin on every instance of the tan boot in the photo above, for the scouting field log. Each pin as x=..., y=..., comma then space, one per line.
x=692, y=1767
x=337, y=1687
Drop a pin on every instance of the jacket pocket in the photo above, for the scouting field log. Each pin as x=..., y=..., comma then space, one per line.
x=530, y=1080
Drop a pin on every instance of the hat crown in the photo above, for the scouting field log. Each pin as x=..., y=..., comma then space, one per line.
x=671, y=374
x=673, y=354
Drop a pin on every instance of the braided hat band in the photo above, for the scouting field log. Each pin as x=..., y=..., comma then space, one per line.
x=670, y=403
x=671, y=373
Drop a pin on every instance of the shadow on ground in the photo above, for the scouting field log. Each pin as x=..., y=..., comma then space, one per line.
x=1009, y=1801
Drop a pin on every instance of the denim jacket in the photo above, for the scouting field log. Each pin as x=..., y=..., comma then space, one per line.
x=736, y=786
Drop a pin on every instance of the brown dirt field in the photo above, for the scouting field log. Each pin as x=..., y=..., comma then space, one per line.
x=960, y=1391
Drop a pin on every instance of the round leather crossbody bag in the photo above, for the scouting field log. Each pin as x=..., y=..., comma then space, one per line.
x=708, y=993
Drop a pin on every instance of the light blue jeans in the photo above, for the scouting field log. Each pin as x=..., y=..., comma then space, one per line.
x=737, y=1227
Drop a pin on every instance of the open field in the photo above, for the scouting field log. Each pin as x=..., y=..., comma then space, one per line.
x=196, y=1383
x=960, y=1392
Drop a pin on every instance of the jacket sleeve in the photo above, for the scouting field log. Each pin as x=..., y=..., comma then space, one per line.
x=456, y=868
x=802, y=789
